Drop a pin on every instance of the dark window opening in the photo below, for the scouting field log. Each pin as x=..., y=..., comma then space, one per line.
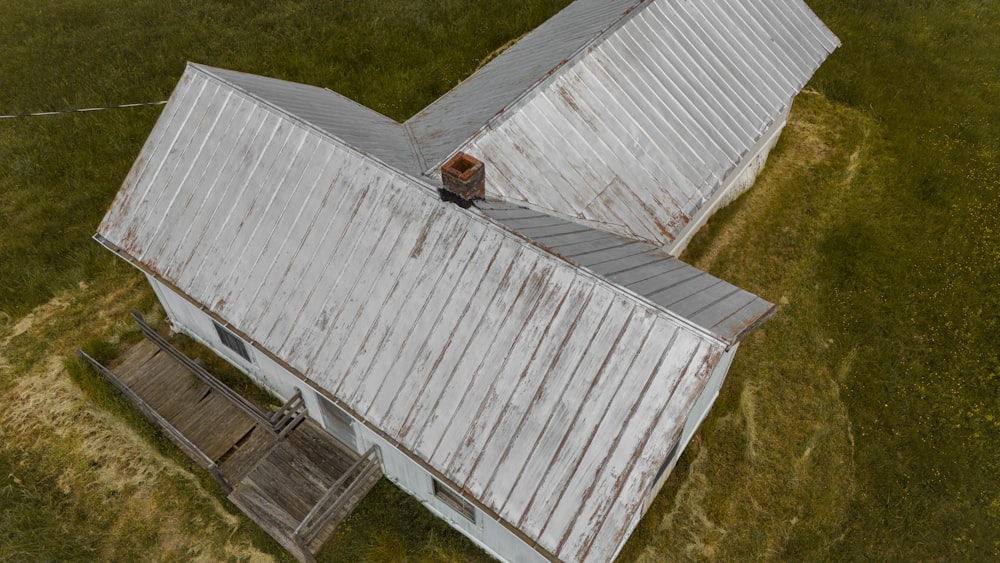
x=459, y=504
x=666, y=463
x=232, y=341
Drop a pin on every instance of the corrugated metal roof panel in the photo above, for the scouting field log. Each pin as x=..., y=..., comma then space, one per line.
x=447, y=332
x=356, y=125
x=704, y=300
x=639, y=131
x=456, y=116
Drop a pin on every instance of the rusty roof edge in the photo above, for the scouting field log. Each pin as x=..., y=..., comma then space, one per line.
x=548, y=76
x=207, y=71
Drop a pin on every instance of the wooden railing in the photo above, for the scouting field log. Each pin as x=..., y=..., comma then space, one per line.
x=286, y=418
x=154, y=417
x=336, y=497
x=253, y=411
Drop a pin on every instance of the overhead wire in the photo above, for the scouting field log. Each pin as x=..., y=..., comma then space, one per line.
x=82, y=110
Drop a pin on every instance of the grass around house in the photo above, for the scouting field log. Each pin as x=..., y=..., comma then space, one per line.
x=861, y=422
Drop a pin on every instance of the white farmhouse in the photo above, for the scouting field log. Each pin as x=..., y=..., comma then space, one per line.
x=530, y=366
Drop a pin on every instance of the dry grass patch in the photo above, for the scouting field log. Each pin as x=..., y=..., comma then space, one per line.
x=771, y=473
x=76, y=470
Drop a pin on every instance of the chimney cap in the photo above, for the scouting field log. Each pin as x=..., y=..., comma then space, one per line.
x=465, y=176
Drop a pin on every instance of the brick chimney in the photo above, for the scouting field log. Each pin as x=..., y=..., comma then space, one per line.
x=464, y=176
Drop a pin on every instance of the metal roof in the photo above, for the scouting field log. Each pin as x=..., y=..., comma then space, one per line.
x=641, y=128
x=357, y=126
x=720, y=308
x=541, y=389
x=459, y=114
x=541, y=365
x=626, y=113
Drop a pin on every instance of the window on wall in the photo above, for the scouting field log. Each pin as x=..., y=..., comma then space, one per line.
x=453, y=500
x=663, y=468
x=231, y=341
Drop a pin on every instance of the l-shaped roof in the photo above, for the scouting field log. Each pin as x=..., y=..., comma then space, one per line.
x=542, y=366
x=630, y=114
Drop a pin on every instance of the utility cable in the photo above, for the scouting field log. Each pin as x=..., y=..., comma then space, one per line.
x=58, y=112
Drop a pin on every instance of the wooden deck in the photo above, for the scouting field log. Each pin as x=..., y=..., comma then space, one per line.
x=297, y=482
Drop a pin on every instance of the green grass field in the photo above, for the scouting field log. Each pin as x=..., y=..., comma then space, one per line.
x=861, y=423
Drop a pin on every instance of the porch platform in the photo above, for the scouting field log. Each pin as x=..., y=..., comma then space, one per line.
x=281, y=469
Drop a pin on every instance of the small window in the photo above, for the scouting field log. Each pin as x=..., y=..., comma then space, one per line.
x=232, y=341
x=666, y=463
x=459, y=504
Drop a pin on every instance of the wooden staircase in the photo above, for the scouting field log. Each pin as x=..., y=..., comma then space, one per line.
x=283, y=470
